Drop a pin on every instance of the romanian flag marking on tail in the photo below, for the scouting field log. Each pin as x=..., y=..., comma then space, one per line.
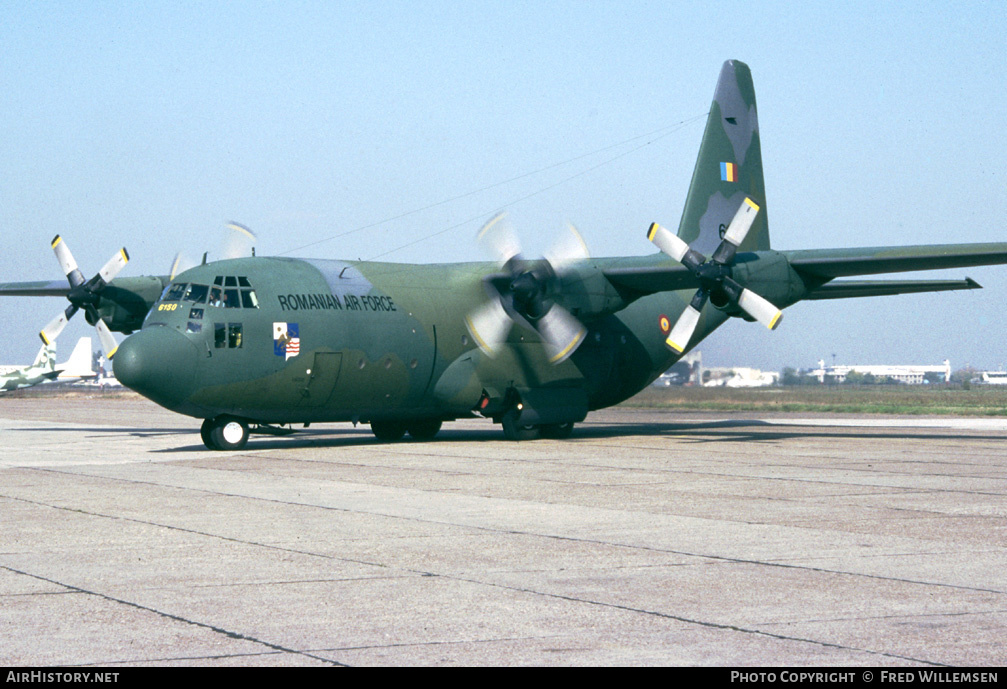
x=728, y=172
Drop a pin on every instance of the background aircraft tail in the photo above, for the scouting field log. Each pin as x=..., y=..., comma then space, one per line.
x=729, y=167
x=79, y=363
x=46, y=357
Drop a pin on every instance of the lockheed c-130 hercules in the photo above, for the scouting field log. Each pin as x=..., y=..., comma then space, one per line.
x=259, y=344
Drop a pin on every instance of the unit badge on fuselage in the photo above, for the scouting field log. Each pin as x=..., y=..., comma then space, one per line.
x=286, y=340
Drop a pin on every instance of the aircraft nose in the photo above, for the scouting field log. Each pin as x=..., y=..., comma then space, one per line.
x=159, y=363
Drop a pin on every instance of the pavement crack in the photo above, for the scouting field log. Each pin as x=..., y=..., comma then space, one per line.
x=177, y=618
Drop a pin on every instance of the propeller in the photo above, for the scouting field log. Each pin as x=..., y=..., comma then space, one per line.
x=526, y=291
x=239, y=241
x=715, y=281
x=84, y=295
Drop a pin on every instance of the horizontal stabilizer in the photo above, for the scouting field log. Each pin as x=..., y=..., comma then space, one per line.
x=846, y=289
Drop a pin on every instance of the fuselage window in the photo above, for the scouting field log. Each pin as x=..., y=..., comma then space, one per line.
x=227, y=335
x=231, y=299
x=230, y=281
x=216, y=296
x=175, y=292
x=194, y=327
x=195, y=313
x=196, y=293
x=243, y=281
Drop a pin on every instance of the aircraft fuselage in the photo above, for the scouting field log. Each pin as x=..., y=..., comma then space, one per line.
x=277, y=340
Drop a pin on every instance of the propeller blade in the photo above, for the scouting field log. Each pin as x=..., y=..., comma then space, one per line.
x=742, y=222
x=175, y=266
x=760, y=309
x=498, y=240
x=736, y=232
x=114, y=265
x=672, y=245
x=54, y=327
x=181, y=264
x=569, y=248
x=240, y=241
x=561, y=332
x=108, y=343
x=66, y=262
x=668, y=242
x=489, y=325
x=685, y=326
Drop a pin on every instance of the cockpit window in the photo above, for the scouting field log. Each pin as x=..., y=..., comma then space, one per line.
x=175, y=292
x=196, y=293
x=224, y=294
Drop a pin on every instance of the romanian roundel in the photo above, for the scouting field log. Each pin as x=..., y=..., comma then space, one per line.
x=665, y=324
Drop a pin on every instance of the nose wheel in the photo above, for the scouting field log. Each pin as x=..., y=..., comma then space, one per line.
x=224, y=433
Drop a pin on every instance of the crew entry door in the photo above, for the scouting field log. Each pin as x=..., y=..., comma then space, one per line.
x=321, y=381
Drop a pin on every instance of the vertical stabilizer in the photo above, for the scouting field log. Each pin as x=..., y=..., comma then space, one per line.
x=79, y=363
x=729, y=167
x=46, y=357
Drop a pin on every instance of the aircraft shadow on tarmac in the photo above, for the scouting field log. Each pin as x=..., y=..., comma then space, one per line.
x=735, y=430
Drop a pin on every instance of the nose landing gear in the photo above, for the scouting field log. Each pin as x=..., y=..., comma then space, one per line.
x=224, y=433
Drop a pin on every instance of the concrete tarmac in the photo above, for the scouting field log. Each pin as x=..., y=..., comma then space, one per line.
x=648, y=538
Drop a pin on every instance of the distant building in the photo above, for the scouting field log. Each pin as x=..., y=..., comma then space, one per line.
x=991, y=378
x=910, y=374
x=739, y=377
x=686, y=371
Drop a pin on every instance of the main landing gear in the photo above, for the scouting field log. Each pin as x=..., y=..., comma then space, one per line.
x=390, y=431
x=516, y=431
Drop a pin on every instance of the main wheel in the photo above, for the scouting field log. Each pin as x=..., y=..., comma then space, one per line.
x=424, y=430
x=515, y=431
x=228, y=434
x=388, y=431
x=557, y=431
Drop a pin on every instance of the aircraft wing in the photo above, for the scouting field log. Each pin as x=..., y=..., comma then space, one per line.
x=819, y=267
x=52, y=288
x=650, y=279
x=826, y=264
x=846, y=289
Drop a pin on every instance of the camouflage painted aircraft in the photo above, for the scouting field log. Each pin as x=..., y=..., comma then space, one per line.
x=41, y=370
x=260, y=344
x=77, y=367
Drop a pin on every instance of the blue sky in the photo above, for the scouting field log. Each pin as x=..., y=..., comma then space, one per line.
x=151, y=125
